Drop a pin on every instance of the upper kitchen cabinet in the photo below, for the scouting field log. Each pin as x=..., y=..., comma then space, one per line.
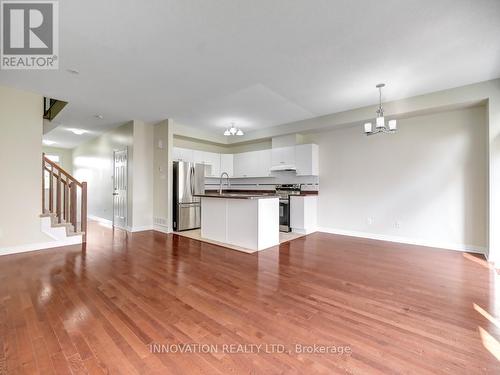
x=226, y=164
x=211, y=160
x=252, y=164
x=307, y=160
x=283, y=158
x=301, y=158
x=265, y=161
x=183, y=154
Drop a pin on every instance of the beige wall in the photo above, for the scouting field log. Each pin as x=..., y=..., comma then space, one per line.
x=162, y=176
x=142, y=179
x=21, y=116
x=65, y=155
x=427, y=183
x=202, y=145
x=252, y=146
x=93, y=163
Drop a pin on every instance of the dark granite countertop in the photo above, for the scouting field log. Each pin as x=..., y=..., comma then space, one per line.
x=242, y=195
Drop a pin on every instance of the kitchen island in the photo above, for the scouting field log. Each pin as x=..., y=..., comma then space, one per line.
x=249, y=221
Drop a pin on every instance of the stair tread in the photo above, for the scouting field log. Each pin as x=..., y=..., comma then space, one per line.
x=71, y=234
x=61, y=225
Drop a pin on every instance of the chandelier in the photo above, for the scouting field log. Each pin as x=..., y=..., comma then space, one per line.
x=232, y=130
x=380, y=125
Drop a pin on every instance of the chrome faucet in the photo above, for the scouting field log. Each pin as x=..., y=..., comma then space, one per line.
x=228, y=182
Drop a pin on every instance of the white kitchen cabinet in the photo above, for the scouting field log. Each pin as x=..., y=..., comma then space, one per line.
x=250, y=224
x=211, y=161
x=242, y=165
x=307, y=160
x=252, y=164
x=303, y=158
x=264, y=163
x=182, y=154
x=227, y=163
x=283, y=156
x=304, y=213
x=198, y=156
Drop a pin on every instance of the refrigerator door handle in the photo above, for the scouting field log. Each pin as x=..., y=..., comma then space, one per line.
x=191, y=180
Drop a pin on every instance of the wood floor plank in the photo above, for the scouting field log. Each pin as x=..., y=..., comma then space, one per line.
x=399, y=308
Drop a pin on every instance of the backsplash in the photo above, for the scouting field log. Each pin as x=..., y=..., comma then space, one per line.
x=309, y=183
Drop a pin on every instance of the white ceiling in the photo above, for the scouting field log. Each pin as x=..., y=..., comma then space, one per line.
x=258, y=62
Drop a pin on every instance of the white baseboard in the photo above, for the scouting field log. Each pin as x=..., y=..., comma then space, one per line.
x=162, y=228
x=73, y=240
x=109, y=223
x=406, y=240
x=105, y=222
x=304, y=230
x=139, y=228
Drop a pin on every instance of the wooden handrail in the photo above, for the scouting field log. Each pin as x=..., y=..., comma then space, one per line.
x=61, y=170
x=66, y=207
x=62, y=180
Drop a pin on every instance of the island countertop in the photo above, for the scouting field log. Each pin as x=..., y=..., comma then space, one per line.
x=237, y=195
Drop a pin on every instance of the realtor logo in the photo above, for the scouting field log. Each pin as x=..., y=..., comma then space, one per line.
x=29, y=34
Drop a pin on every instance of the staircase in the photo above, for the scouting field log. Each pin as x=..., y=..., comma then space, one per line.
x=64, y=204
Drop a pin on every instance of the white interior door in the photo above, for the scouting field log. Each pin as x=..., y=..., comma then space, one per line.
x=120, y=189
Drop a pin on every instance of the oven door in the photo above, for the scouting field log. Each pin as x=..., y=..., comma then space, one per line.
x=284, y=215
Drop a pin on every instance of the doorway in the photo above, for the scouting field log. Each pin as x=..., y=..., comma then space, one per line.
x=120, y=161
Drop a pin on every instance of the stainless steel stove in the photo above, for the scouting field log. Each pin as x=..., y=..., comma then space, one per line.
x=284, y=192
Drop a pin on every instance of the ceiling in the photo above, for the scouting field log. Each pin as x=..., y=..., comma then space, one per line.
x=259, y=63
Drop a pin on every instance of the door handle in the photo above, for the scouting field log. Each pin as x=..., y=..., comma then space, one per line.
x=191, y=180
x=115, y=193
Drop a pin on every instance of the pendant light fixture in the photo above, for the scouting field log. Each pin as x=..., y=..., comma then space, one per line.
x=233, y=130
x=380, y=125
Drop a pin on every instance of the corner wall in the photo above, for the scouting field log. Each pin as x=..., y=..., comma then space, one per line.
x=162, y=175
x=21, y=126
x=142, y=178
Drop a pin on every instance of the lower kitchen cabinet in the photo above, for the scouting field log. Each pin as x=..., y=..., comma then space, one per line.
x=304, y=213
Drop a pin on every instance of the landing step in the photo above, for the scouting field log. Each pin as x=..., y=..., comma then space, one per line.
x=54, y=224
x=72, y=234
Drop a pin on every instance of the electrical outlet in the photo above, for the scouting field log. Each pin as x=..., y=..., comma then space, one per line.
x=370, y=220
x=397, y=224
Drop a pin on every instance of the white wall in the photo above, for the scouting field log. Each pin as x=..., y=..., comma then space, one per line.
x=21, y=125
x=430, y=179
x=93, y=163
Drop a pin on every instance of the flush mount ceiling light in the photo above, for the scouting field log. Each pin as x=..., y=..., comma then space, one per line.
x=78, y=131
x=380, y=125
x=73, y=71
x=46, y=142
x=232, y=130
x=100, y=117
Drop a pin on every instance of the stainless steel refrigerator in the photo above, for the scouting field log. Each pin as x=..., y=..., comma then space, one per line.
x=189, y=179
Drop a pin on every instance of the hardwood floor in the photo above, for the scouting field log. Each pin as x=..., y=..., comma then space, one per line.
x=399, y=309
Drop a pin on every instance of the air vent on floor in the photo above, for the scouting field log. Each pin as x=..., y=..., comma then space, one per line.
x=160, y=221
